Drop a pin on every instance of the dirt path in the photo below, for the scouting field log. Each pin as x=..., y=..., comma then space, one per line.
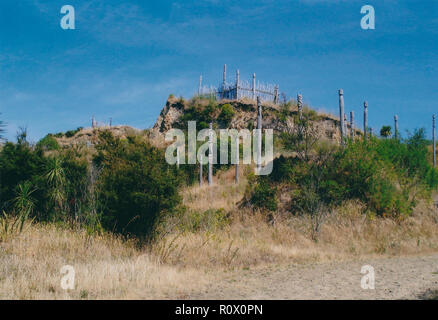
x=395, y=278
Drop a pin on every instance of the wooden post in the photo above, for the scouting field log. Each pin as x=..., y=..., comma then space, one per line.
x=210, y=155
x=365, y=120
x=352, y=125
x=237, y=85
x=276, y=94
x=346, y=125
x=224, y=82
x=433, y=140
x=259, y=133
x=236, y=178
x=396, y=126
x=111, y=122
x=200, y=85
x=253, y=86
x=177, y=157
x=300, y=105
x=93, y=122
x=341, y=114
x=200, y=174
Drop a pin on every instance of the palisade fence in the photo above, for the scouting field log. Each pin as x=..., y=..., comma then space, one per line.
x=240, y=89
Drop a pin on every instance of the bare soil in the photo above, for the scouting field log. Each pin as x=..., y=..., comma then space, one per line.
x=412, y=277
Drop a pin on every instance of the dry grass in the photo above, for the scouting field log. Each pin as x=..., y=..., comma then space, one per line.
x=107, y=267
x=249, y=240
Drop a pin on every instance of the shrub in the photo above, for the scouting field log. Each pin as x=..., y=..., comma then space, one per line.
x=226, y=115
x=262, y=194
x=136, y=184
x=387, y=175
x=48, y=143
x=71, y=133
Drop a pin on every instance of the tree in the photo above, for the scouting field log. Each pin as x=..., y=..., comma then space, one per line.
x=385, y=131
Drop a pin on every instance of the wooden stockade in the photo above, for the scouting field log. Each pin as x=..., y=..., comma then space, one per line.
x=240, y=89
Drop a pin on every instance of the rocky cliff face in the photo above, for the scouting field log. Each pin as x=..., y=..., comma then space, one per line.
x=245, y=117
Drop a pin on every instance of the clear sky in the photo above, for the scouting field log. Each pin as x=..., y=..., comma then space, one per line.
x=125, y=57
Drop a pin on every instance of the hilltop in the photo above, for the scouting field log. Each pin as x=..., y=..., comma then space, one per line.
x=243, y=116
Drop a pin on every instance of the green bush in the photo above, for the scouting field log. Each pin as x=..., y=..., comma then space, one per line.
x=136, y=185
x=263, y=195
x=226, y=115
x=71, y=133
x=48, y=143
x=388, y=175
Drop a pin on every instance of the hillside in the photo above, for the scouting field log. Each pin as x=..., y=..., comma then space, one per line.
x=275, y=117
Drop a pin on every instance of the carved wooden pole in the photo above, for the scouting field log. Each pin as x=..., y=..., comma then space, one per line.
x=341, y=114
x=224, y=82
x=300, y=105
x=259, y=133
x=352, y=125
x=396, y=126
x=346, y=125
x=200, y=85
x=276, y=94
x=365, y=120
x=210, y=155
x=236, y=178
x=433, y=140
x=253, y=86
x=177, y=157
x=237, y=85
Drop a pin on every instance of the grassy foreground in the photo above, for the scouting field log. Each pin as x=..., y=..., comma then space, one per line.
x=186, y=260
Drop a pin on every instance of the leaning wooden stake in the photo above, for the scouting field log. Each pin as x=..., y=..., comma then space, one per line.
x=365, y=119
x=396, y=126
x=341, y=114
x=433, y=140
x=259, y=133
x=210, y=155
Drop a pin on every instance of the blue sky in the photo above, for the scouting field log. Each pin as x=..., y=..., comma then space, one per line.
x=125, y=57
